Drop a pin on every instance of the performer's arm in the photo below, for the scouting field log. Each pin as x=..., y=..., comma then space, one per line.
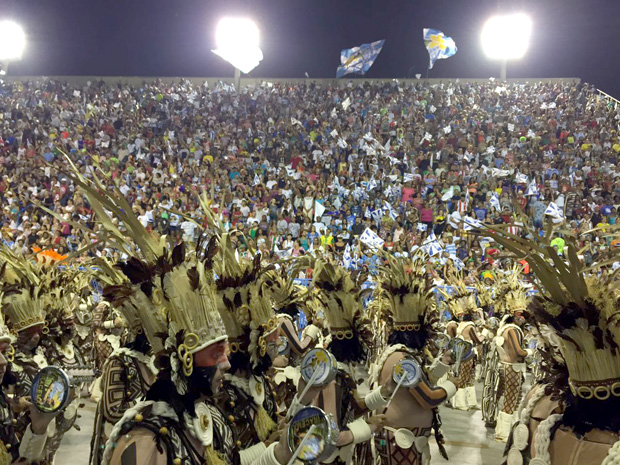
x=299, y=347
x=430, y=397
x=475, y=337
x=114, y=395
x=513, y=340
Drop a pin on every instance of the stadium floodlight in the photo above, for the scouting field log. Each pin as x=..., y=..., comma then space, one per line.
x=506, y=37
x=12, y=41
x=237, y=42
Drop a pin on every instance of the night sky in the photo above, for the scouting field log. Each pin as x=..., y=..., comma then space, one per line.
x=571, y=38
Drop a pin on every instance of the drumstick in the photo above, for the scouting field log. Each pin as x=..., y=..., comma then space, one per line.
x=458, y=353
x=400, y=381
x=301, y=444
x=296, y=399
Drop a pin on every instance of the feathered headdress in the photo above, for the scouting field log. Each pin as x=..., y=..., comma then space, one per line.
x=286, y=296
x=23, y=289
x=342, y=300
x=582, y=309
x=139, y=292
x=462, y=301
x=243, y=300
x=409, y=295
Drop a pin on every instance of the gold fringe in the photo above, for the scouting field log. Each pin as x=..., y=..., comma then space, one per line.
x=263, y=424
x=213, y=457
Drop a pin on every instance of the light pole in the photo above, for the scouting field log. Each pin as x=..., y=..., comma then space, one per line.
x=506, y=38
x=12, y=44
x=237, y=42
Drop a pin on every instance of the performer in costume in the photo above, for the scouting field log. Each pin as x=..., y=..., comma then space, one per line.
x=509, y=345
x=23, y=287
x=245, y=307
x=61, y=286
x=576, y=418
x=178, y=423
x=34, y=437
x=287, y=298
x=130, y=370
x=463, y=305
x=406, y=297
x=350, y=338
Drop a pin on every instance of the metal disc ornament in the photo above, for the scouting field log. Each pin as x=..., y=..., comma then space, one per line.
x=321, y=442
x=408, y=368
x=319, y=366
x=520, y=436
x=50, y=389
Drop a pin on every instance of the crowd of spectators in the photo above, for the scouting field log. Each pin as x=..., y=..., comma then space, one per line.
x=300, y=168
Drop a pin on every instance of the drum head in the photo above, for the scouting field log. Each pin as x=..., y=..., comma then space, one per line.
x=410, y=370
x=321, y=361
x=50, y=389
x=322, y=441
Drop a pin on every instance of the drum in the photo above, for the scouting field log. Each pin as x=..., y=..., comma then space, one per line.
x=461, y=349
x=441, y=341
x=408, y=368
x=321, y=361
x=50, y=389
x=321, y=443
x=493, y=322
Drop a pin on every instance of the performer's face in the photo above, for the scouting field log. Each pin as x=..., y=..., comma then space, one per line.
x=4, y=347
x=519, y=318
x=215, y=357
x=29, y=338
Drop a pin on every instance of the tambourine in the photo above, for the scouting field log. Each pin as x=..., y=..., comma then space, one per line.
x=50, y=389
x=493, y=322
x=462, y=350
x=323, y=440
x=408, y=368
x=441, y=341
x=321, y=361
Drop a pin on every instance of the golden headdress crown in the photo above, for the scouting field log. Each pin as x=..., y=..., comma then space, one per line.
x=23, y=290
x=341, y=296
x=192, y=303
x=409, y=296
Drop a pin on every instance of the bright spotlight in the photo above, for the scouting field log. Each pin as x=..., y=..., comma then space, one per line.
x=12, y=40
x=237, y=43
x=506, y=37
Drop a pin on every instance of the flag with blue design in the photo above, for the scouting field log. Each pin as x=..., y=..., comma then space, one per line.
x=554, y=211
x=439, y=46
x=387, y=208
x=495, y=202
x=532, y=189
x=371, y=239
x=347, y=259
x=358, y=59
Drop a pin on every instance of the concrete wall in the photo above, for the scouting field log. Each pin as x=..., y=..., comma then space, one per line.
x=212, y=81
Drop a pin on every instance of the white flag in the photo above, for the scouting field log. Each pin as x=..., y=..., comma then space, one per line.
x=346, y=103
x=511, y=127
x=407, y=177
x=495, y=202
x=448, y=195
x=422, y=227
x=447, y=130
x=521, y=178
x=370, y=238
x=554, y=211
x=318, y=210
x=532, y=189
x=256, y=180
x=334, y=133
